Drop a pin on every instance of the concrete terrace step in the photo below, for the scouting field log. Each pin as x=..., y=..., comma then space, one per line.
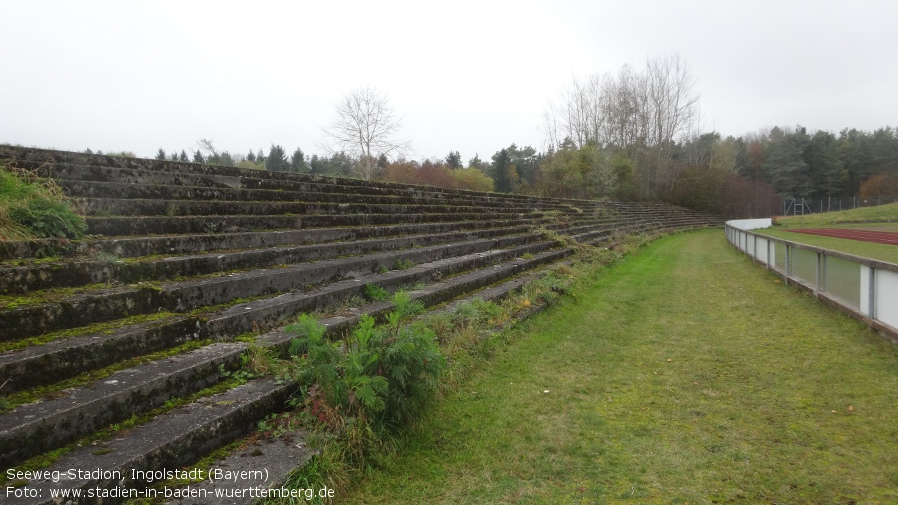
x=135, y=246
x=52, y=163
x=171, y=440
x=145, y=207
x=37, y=427
x=25, y=279
x=158, y=225
x=57, y=360
x=46, y=425
x=301, y=192
x=64, y=358
x=108, y=304
x=97, y=181
x=28, y=278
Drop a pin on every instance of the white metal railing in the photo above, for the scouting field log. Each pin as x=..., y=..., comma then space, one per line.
x=865, y=288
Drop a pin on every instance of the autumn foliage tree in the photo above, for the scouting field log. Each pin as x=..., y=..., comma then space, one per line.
x=723, y=192
x=879, y=186
x=438, y=174
x=473, y=179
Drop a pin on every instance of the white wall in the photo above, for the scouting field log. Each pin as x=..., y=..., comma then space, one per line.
x=885, y=281
x=751, y=224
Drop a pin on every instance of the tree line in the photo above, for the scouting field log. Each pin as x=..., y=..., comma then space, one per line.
x=725, y=175
x=633, y=134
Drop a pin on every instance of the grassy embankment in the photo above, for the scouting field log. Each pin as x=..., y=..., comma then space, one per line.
x=881, y=218
x=682, y=375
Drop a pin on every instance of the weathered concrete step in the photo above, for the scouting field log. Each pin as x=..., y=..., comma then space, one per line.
x=64, y=358
x=306, y=192
x=594, y=237
x=123, y=226
x=82, y=177
x=657, y=228
x=57, y=360
x=468, y=282
x=87, y=175
x=278, y=456
x=659, y=210
x=50, y=163
x=130, y=247
x=115, y=303
x=43, y=275
x=62, y=160
x=575, y=229
x=27, y=279
x=271, y=312
x=497, y=291
x=143, y=207
x=80, y=310
x=38, y=427
x=169, y=441
x=46, y=425
x=677, y=224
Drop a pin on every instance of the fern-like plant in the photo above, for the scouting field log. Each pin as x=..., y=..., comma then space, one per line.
x=384, y=375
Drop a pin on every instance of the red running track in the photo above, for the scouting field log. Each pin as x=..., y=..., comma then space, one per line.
x=880, y=237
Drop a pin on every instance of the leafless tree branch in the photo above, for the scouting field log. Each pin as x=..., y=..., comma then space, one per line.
x=365, y=126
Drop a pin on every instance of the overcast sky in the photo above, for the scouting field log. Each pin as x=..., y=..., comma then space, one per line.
x=467, y=76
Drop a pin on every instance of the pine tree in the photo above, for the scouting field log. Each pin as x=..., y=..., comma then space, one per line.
x=277, y=159
x=298, y=162
x=454, y=160
x=503, y=172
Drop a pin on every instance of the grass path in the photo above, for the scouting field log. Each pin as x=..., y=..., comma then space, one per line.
x=682, y=375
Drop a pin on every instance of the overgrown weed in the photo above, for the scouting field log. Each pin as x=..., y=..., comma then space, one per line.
x=34, y=207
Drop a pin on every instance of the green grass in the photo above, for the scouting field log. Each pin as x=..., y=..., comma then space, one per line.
x=878, y=214
x=684, y=374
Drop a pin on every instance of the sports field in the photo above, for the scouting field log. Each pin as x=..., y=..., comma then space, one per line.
x=875, y=236
x=843, y=229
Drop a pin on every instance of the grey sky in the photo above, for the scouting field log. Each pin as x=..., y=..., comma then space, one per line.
x=472, y=76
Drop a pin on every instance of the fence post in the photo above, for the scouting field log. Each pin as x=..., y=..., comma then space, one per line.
x=819, y=280
x=788, y=266
x=872, y=301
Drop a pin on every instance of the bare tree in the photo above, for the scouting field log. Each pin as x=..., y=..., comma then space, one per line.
x=208, y=147
x=578, y=117
x=640, y=113
x=674, y=109
x=365, y=126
